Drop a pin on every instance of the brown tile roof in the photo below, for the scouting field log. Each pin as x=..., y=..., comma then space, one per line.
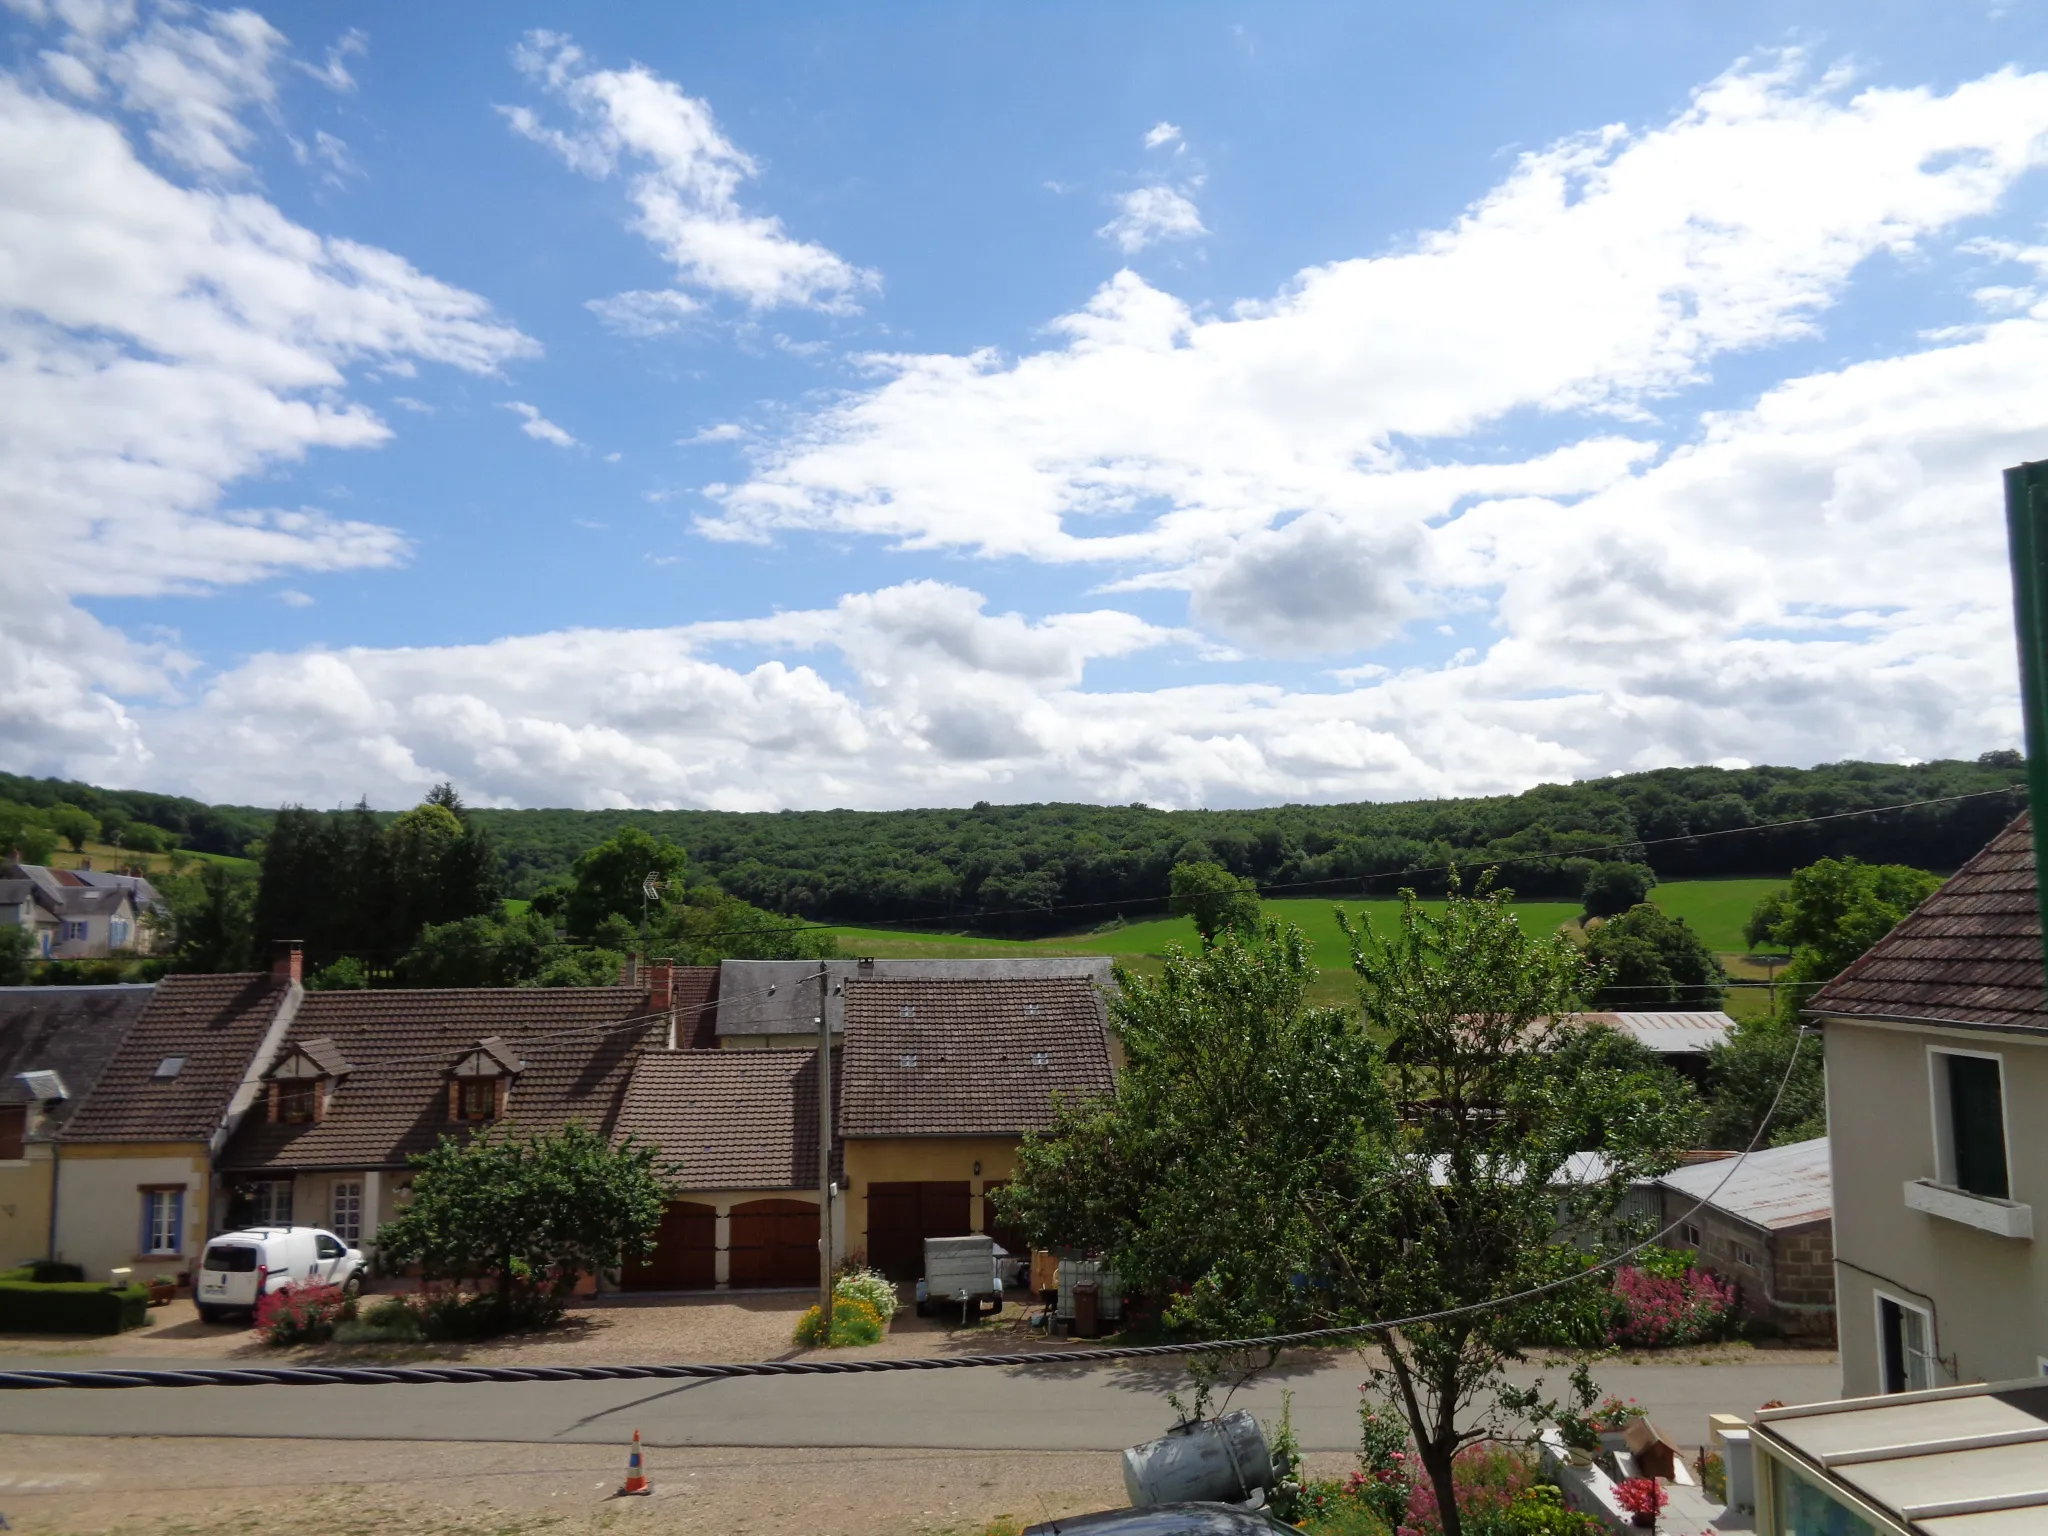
x=969, y=1058
x=1968, y=954
x=695, y=1000
x=576, y=1045
x=217, y=1024
x=731, y=1119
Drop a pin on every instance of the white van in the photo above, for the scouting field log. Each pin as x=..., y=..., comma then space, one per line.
x=240, y=1267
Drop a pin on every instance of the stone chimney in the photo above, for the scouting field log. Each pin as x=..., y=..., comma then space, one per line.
x=290, y=964
x=629, y=971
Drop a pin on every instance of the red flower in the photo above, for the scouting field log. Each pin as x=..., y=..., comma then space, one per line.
x=1641, y=1496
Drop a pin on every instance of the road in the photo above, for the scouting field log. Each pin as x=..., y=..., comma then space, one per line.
x=1042, y=1408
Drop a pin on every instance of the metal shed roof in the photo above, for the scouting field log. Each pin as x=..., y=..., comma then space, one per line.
x=1673, y=1033
x=1776, y=1187
x=1957, y=1461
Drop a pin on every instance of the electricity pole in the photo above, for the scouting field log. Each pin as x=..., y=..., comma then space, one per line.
x=2026, y=522
x=825, y=1148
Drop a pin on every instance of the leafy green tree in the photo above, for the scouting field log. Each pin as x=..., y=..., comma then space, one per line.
x=1215, y=898
x=348, y=974
x=708, y=926
x=72, y=824
x=211, y=923
x=1743, y=1074
x=24, y=834
x=530, y=1214
x=15, y=948
x=1763, y=919
x=1272, y=1165
x=1648, y=959
x=111, y=822
x=610, y=881
x=1616, y=886
x=1835, y=909
x=478, y=952
x=141, y=837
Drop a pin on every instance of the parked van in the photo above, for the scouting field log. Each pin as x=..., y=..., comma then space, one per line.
x=241, y=1267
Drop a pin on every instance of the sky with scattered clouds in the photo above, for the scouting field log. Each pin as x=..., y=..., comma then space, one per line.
x=813, y=406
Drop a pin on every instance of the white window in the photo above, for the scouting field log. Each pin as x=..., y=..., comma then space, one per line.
x=273, y=1203
x=117, y=932
x=1905, y=1346
x=347, y=1213
x=163, y=1221
x=1969, y=1122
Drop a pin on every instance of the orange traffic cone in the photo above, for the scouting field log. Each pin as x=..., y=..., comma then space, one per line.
x=636, y=1472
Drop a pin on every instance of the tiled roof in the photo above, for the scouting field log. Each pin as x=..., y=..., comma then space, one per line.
x=71, y=1031
x=731, y=1119
x=780, y=997
x=695, y=999
x=1968, y=954
x=1776, y=1187
x=969, y=1058
x=216, y=1025
x=575, y=1044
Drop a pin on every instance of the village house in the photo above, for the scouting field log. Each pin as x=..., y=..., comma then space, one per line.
x=1765, y=1226
x=1937, y=1065
x=76, y=914
x=135, y=1178
x=55, y=1042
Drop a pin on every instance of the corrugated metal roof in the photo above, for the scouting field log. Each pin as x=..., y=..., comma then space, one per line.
x=1674, y=1033
x=1957, y=1461
x=746, y=1006
x=1772, y=1188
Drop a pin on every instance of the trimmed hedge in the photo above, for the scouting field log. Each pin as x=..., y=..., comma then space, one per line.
x=74, y=1307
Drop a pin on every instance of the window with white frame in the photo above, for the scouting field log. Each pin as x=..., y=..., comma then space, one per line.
x=163, y=1221
x=117, y=932
x=270, y=1203
x=1905, y=1345
x=347, y=1210
x=74, y=929
x=1969, y=1122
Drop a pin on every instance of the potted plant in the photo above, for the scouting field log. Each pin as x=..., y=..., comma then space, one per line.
x=1642, y=1497
x=162, y=1290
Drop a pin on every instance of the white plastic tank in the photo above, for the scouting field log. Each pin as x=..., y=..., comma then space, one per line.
x=1223, y=1460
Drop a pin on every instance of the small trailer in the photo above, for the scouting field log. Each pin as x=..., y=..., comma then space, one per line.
x=960, y=1272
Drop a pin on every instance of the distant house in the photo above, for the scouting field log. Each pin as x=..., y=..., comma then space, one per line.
x=79, y=914
x=943, y=1079
x=1681, y=1038
x=55, y=1042
x=1766, y=1226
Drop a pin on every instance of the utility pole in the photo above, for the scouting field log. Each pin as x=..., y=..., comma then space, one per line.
x=825, y=1147
x=2026, y=525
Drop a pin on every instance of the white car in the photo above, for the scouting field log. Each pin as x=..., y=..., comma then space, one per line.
x=239, y=1268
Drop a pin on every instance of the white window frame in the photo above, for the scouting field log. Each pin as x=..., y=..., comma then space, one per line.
x=341, y=1194
x=1931, y=1355
x=1944, y=1129
x=156, y=1205
x=267, y=1202
x=117, y=931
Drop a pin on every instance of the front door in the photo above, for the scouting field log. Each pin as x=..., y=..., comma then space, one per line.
x=685, y=1256
x=902, y=1216
x=773, y=1242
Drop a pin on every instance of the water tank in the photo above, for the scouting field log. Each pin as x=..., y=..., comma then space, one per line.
x=1223, y=1459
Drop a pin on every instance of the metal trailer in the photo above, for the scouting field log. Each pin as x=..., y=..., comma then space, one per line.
x=960, y=1272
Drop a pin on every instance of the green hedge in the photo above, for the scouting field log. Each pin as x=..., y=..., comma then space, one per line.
x=26, y=1307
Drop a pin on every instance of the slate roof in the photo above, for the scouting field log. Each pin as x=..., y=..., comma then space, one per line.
x=1970, y=954
x=731, y=1119
x=1772, y=1188
x=217, y=1024
x=747, y=1006
x=72, y=1031
x=969, y=1058
x=575, y=1045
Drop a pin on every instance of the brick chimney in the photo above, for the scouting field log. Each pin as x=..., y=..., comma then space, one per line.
x=661, y=986
x=290, y=964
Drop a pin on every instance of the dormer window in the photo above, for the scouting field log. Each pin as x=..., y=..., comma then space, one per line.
x=480, y=1085
x=303, y=1081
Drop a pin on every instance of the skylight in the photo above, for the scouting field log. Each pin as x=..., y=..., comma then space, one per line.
x=170, y=1066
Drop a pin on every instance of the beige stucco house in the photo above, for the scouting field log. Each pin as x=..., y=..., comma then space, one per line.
x=1937, y=1066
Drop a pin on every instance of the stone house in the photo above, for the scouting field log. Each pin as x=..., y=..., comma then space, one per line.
x=1765, y=1226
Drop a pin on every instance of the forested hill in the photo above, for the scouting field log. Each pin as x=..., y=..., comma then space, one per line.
x=884, y=866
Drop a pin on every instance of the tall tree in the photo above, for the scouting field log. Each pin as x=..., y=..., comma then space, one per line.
x=611, y=881
x=1615, y=886
x=1215, y=898
x=1648, y=959
x=72, y=824
x=211, y=926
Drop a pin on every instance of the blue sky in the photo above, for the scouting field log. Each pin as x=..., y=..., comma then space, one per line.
x=847, y=405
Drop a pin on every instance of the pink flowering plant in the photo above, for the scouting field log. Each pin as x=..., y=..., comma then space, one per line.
x=303, y=1314
x=1656, y=1310
x=1642, y=1497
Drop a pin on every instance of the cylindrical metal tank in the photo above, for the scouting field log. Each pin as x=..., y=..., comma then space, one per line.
x=1223, y=1459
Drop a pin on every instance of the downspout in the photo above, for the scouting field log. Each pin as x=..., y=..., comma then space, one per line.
x=2026, y=525
x=56, y=1183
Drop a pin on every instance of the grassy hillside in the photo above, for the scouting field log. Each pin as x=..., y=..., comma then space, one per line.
x=1715, y=909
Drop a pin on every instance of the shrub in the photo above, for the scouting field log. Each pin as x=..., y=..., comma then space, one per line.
x=389, y=1321
x=71, y=1307
x=869, y=1286
x=478, y=1314
x=1490, y=1481
x=1641, y=1496
x=853, y=1322
x=1657, y=1311
x=303, y=1314
x=1713, y=1473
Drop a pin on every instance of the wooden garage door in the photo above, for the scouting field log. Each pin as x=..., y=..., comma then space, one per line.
x=902, y=1216
x=685, y=1256
x=1007, y=1234
x=773, y=1242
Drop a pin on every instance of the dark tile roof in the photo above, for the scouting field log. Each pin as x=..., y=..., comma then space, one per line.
x=575, y=1044
x=969, y=1058
x=780, y=997
x=72, y=1031
x=695, y=999
x=1968, y=954
x=731, y=1119
x=217, y=1024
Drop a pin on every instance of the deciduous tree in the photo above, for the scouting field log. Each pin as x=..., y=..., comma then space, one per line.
x=1215, y=898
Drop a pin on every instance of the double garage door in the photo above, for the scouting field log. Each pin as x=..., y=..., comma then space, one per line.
x=902, y=1216
x=771, y=1243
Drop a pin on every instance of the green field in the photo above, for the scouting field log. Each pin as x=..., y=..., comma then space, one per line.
x=1715, y=909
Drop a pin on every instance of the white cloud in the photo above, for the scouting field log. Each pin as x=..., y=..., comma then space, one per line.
x=1149, y=215
x=642, y=313
x=722, y=432
x=291, y=597
x=684, y=178
x=1160, y=133
x=333, y=72
x=538, y=427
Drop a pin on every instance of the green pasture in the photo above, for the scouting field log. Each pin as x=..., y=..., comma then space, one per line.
x=1715, y=909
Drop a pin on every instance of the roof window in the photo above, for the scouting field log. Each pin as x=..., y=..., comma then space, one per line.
x=910, y=1058
x=1041, y=1058
x=170, y=1066
x=907, y=1011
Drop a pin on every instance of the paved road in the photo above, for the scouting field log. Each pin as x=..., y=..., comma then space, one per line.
x=1076, y=1407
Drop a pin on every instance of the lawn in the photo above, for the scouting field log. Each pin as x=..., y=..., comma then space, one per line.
x=1715, y=909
